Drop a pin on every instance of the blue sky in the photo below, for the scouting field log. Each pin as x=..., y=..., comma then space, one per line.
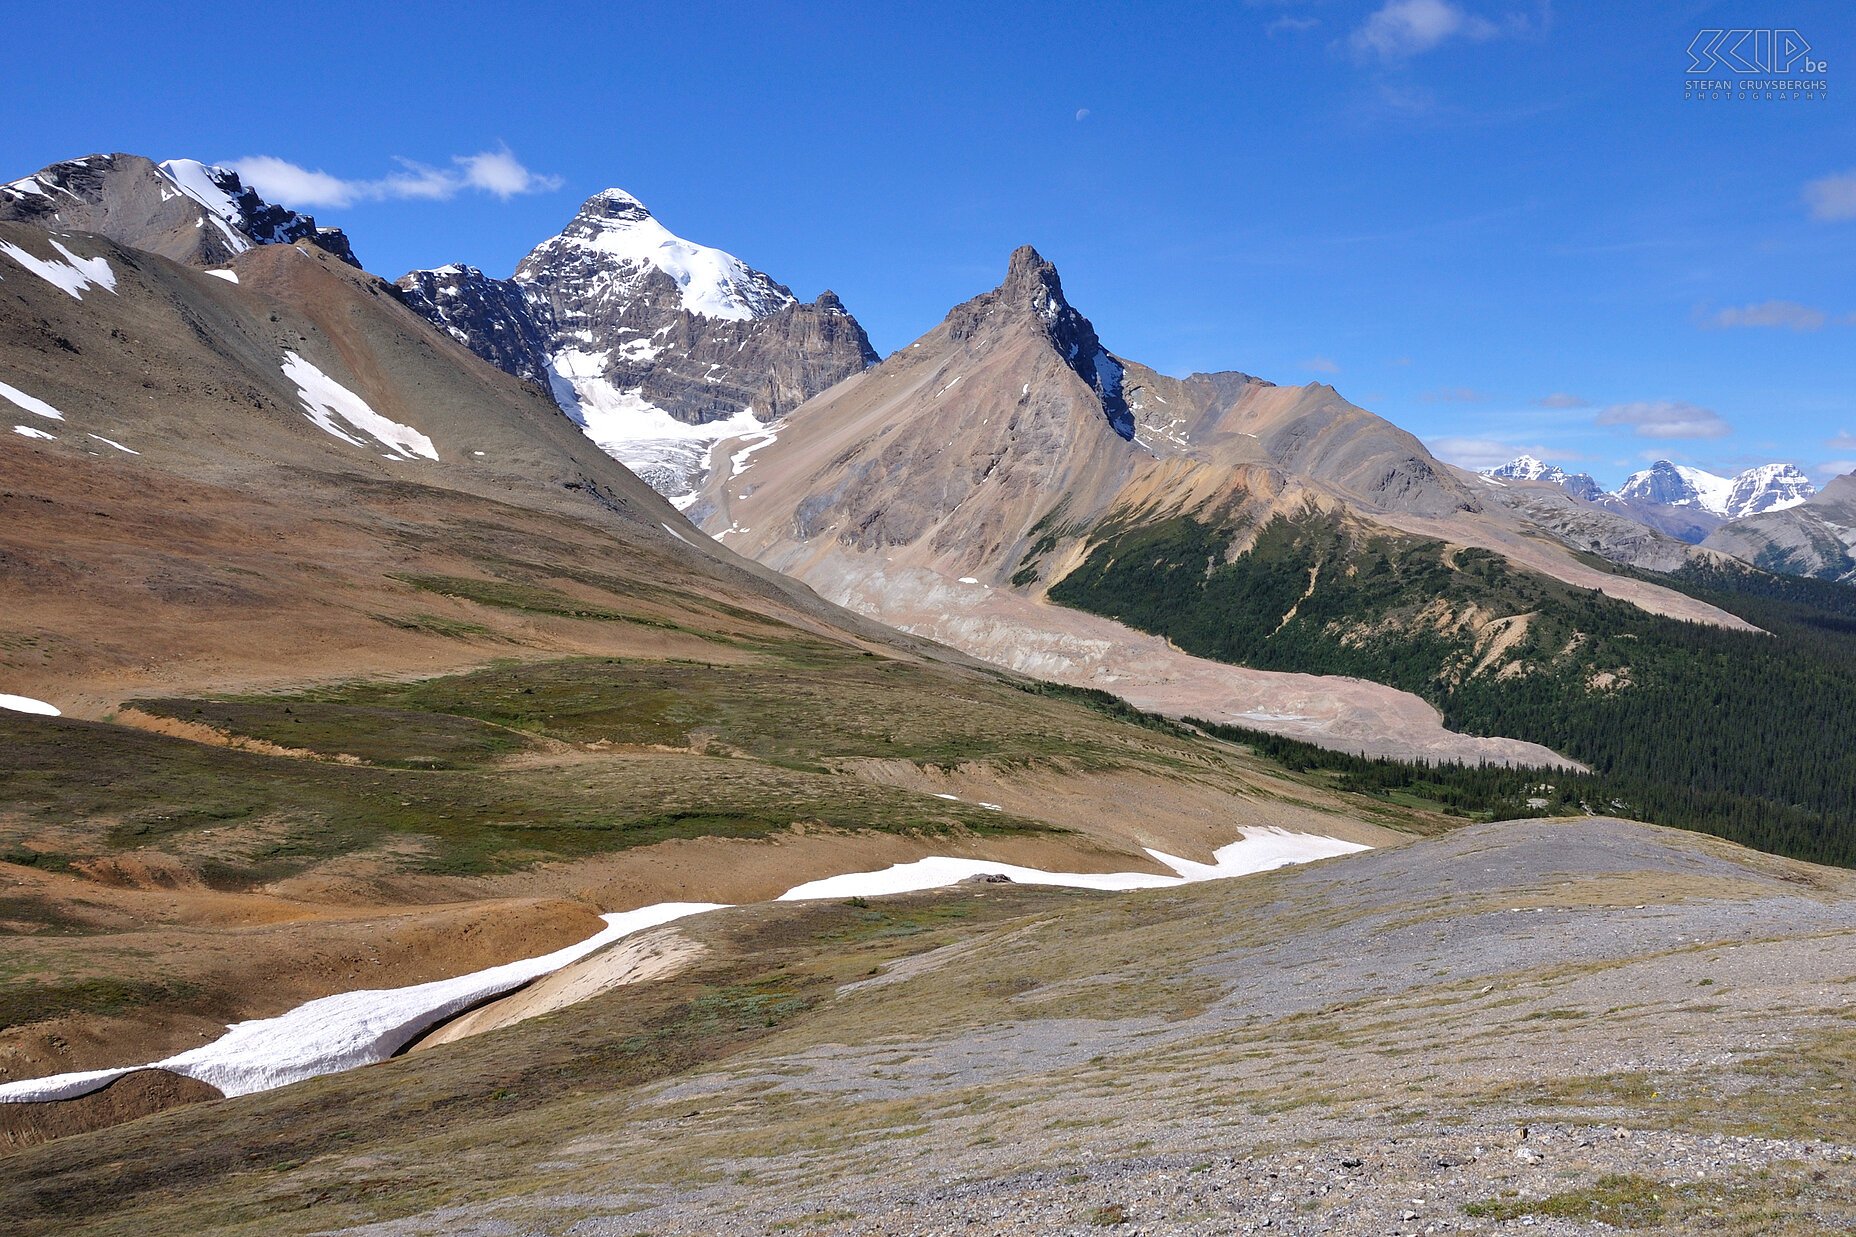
x=1497, y=222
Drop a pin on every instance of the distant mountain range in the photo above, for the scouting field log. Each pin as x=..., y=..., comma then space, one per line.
x=1683, y=502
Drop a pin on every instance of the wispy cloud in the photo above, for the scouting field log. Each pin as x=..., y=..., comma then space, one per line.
x=1832, y=198
x=1842, y=441
x=1401, y=29
x=1834, y=468
x=1288, y=23
x=1560, y=399
x=1667, y=419
x=1454, y=395
x=1479, y=453
x=1321, y=365
x=496, y=172
x=1788, y=315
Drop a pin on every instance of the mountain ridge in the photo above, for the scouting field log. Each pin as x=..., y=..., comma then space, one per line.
x=182, y=209
x=1686, y=502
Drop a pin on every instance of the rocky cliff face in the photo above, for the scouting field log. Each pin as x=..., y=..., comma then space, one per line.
x=181, y=209
x=489, y=316
x=658, y=347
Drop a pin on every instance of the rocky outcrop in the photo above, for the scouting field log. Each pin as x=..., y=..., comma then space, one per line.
x=182, y=209
x=1032, y=284
x=489, y=316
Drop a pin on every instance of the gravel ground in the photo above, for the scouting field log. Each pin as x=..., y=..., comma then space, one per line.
x=1551, y=1027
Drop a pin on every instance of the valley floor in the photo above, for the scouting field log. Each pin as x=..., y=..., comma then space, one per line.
x=1555, y=1026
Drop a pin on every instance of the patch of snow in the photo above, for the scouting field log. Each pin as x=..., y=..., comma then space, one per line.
x=29, y=432
x=738, y=462
x=228, y=276
x=969, y=579
x=26, y=704
x=111, y=442
x=74, y=275
x=339, y=1032
x=38, y=407
x=195, y=179
x=325, y=399
x=1260, y=850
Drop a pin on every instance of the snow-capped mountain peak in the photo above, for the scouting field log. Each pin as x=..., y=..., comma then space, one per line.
x=658, y=347
x=618, y=241
x=1669, y=484
x=1527, y=468
x=1769, y=487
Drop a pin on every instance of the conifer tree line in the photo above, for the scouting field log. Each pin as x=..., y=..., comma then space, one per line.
x=1747, y=735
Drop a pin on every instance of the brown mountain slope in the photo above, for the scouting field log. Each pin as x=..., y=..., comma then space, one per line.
x=375, y=670
x=177, y=556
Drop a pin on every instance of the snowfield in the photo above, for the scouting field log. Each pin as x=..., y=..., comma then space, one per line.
x=350, y=1029
x=26, y=704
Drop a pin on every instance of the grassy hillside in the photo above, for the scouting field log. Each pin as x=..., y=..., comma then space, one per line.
x=1749, y=736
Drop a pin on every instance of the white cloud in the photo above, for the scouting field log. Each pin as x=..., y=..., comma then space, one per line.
x=1832, y=198
x=500, y=173
x=1082, y=113
x=286, y=182
x=1401, y=29
x=1844, y=441
x=1454, y=395
x=496, y=172
x=1787, y=314
x=1560, y=399
x=1289, y=24
x=1321, y=365
x=1831, y=469
x=1664, y=418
